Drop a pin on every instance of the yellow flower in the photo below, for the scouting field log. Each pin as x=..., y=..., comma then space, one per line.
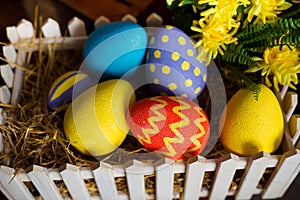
x=265, y=10
x=282, y=65
x=214, y=37
x=217, y=27
x=222, y=9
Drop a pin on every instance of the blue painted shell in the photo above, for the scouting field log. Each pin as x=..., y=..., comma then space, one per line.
x=172, y=65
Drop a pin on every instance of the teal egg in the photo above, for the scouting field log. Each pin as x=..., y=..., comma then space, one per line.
x=67, y=87
x=114, y=49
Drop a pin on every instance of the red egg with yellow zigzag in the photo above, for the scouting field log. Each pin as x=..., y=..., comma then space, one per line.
x=174, y=127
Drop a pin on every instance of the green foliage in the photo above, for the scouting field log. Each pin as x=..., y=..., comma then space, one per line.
x=237, y=54
x=258, y=37
x=293, y=12
x=184, y=14
x=236, y=74
x=252, y=39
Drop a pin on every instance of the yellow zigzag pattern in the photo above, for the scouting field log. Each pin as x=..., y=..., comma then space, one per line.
x=151, y=120
x=175, y=126
x=195, y=138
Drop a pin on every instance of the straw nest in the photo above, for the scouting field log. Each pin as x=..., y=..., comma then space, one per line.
x=33, y=134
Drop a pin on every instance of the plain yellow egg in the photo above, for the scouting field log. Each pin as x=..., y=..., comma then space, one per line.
x=95, y=122
x=252, y=125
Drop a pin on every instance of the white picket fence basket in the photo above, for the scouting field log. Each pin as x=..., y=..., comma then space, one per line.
x=13, y=185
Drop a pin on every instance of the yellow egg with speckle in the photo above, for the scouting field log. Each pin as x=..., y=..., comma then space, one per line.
x=252, y=125
x=95, y=122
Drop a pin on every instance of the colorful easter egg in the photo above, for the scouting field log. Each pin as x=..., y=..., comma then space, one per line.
x=171, y=126
x=172, y=65
x=114, y=49
x=252, y=125
x=95, y=122
x=67, y=87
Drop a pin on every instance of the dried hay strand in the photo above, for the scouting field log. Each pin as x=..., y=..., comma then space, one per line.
x=34, y=134
x=31, y=131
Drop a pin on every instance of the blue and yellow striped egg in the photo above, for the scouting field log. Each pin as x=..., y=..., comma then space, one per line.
x=172, y=66
x=67, y=87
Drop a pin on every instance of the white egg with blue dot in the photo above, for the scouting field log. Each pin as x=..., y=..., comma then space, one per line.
x=172, y=66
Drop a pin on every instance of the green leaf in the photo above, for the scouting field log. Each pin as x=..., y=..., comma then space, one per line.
x=253, y=69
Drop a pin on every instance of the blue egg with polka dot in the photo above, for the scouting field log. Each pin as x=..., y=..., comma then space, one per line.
x=114, y=49
x=172, y=66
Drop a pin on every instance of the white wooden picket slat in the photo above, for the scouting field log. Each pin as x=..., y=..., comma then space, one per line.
x=294, y=125
x=51, y=29
x=154, y=20
x=10, y=53
x=4, y=191
x=74, y=182
x=43, y=183
x=289, y=102
x=135, y=179
x=25, y=29
x=1, y=137
x=290, y=180
x=224, y=174
x=164, y=173
x=129, y=18
x=2, y=116
x=252, y=175
x=105, y=181
x=62, y=43
x=14, y=188
x=76, y=27
x=12, y=34
x=17, y=83
x=283, y=92
x=5, y=94
x=195, y=169
x=7, y=74
x=283, y=175
x=100, y=21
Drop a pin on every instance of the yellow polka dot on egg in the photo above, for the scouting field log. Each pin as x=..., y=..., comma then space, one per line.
x=175, y=56
x=190, y=52
x=169, y=27
x=152, y=67
x=166, y=69
x=197, y=71
x=184, y=95
x=172, y=86
x=204, y=77
x=147, y=56
x=165, y=38
x=157, y=54
x=185, y=65
x=198, y=89
x=155, y=81
x=181, y=40
x=188, y=83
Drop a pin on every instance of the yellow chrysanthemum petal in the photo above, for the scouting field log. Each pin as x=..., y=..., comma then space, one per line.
x=281, y=65
x=265, y=10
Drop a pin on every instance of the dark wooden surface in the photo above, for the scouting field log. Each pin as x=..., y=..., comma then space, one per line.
x=94, y=8
x=12, y=11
